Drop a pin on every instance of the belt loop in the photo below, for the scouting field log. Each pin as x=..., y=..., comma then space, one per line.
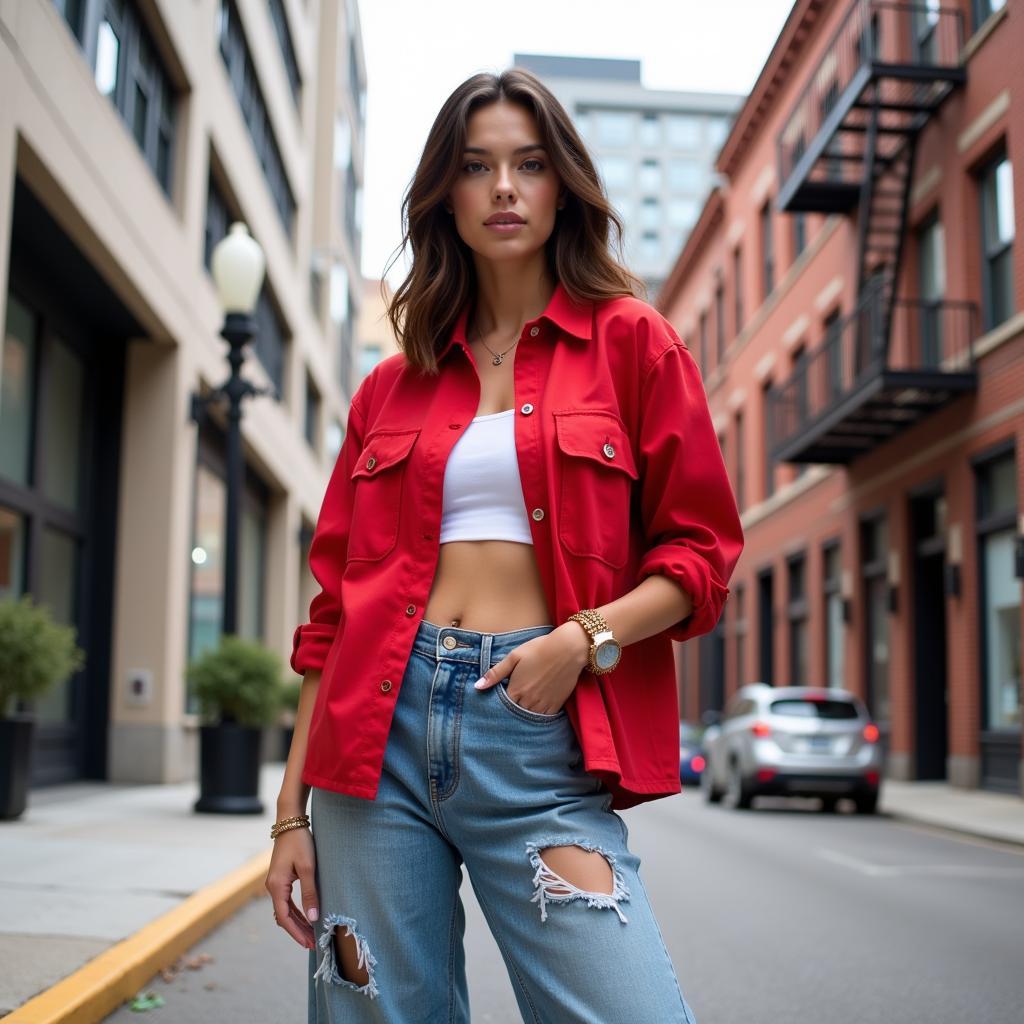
x=485, y=651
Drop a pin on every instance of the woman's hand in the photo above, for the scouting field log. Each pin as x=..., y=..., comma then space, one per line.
x=547, y=669
x=294, y=857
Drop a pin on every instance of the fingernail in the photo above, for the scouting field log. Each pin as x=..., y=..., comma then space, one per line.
x=480, y=682
x=311, y=913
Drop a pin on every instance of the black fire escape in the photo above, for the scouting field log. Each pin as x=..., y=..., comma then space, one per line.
x=848, y=148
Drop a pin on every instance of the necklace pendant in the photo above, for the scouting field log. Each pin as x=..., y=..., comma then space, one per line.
x=497, y=360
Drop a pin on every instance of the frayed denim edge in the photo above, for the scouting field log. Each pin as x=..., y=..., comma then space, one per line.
x=328, y=969
x=544, y=878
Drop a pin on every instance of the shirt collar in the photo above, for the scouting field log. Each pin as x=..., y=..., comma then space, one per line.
x=574, y=318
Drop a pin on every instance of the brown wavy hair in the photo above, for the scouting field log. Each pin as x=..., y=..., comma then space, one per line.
x=442, y=277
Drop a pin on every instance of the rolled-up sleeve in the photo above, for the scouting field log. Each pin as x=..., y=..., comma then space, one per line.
x=689, y=513
x=327, y=551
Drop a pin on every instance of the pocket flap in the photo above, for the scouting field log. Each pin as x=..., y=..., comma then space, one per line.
x=597, y=435
x=384, y=449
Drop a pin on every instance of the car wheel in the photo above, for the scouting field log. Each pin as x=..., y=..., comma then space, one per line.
x=738, y=796
x=829, y=804
x=867, y=803
x=712, y=795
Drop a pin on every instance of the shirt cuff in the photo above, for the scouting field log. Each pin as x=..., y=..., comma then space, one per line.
x=697, y=578
x=311, y=643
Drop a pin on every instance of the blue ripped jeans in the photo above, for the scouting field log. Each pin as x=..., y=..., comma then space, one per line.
x=471, y=776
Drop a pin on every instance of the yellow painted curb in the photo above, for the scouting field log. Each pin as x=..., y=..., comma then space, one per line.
x=105, y=982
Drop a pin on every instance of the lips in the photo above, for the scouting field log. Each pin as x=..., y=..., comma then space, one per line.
x=504, y=218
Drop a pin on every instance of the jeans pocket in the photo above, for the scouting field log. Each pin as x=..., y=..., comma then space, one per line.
x=536, y=717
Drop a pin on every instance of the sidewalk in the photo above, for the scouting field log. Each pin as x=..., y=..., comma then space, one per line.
x=124, y=878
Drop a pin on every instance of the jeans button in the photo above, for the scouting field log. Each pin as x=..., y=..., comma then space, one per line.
x=449, y=642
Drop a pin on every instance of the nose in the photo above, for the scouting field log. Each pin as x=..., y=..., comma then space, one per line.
x=503, y=186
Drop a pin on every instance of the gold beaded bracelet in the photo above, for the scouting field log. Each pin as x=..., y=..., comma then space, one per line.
x=298, y=821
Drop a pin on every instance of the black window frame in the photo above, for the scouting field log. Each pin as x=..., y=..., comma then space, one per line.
x=767, y=249
x=236, y=55
x=140, y=70
x=282, y=30
x=797, y=615
x=993, y=251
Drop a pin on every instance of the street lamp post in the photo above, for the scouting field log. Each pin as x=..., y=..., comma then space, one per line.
x=238, y=266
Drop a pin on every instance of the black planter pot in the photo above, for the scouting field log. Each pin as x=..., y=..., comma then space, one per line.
x=15, y=762
x=286, y=740
x=229, y=769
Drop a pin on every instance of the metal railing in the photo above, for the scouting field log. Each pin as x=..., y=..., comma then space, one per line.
x=910, y=40
x=928, y=336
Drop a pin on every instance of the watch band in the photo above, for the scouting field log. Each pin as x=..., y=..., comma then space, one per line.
x=594, y=623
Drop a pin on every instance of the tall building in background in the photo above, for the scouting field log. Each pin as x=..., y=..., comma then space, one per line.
x=655, y=149
x=131, y=135
x=853, y=294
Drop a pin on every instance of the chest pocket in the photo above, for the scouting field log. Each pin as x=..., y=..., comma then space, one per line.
x=378, y=480
x=597, y=478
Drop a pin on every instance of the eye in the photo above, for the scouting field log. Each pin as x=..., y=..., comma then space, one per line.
x=472, y=163
x=534, y=160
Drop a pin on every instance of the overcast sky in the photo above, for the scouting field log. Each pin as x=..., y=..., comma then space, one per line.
x=417, y=52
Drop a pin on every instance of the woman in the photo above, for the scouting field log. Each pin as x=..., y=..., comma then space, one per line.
x=530, y=493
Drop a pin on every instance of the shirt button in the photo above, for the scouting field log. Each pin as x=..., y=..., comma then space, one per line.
x=534, y=331
x=385, y=685
x=526, y=409
x=371, y=462
x=449, y=642
x=609, y=451
x=538, y=514
x=410, y=609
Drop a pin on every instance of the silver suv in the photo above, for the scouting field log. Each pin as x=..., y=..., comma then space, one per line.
x=792, y=741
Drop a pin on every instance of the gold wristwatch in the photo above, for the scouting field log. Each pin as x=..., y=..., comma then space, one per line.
x=605, y=650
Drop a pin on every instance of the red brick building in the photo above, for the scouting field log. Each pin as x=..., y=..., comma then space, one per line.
x=853, y=292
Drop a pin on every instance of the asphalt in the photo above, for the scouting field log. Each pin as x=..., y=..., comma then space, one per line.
x=106, y=884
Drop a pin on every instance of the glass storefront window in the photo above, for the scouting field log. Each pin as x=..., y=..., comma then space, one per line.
x=62, y=419
x=57, y=583
x=17, y=371
x=1002, y=632
x=12, y=554
x=207, y=562
x=251, y=556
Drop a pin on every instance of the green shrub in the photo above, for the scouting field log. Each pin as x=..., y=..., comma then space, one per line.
x=239, y=681
x=35, y=652
x=290, y=693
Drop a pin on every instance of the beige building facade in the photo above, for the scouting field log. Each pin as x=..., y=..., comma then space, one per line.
x=132, y=133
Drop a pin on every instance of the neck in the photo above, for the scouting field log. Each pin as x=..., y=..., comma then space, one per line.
x=507, y=296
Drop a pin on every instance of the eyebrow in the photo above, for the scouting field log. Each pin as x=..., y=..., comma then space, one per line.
x=519, y=149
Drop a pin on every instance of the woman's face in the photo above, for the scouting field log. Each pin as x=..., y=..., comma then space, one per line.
x=494, y=178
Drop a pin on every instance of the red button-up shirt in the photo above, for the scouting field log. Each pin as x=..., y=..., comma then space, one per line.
x=622, y=476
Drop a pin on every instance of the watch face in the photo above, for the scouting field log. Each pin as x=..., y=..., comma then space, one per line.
x=607, y=654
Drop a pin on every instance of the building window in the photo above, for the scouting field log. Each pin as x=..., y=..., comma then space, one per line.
x=650, y=176
x=650, y=213
x=737, y=295
x=996, y=502
x=982, y=10
x=650, y=131
x=741, y=471
x=874, y=570
x=931, y=277
x=683, y=131
x=767, y=250
x=685, y=175
x=312, y=418
x=765, y=627
x=284, y=41
x=617, y=172
x=206, y=600
x=799, y=234
x=126, y=68
x=613, y=127
x=796, y=612
x=650, y=247
x=832, y=585
x=833, y=355
x=719, y=323
x=703, y=335
x=997, y=233
x=800, y=370
x=739, y=632
x=769, y=459
x=369, y=357
x=682, y=212
x=234, y=50
x=271, y=335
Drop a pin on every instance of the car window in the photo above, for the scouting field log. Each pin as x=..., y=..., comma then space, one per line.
x=800, y=707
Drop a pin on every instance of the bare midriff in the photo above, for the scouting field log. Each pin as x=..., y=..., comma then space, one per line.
x=491, y=586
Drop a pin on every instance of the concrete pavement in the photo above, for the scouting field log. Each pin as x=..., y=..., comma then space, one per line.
x=104, y=884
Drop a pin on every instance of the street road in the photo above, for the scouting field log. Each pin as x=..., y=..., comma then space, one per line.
x=780, y=915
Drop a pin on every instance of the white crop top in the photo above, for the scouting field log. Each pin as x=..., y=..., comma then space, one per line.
x=483, y=493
